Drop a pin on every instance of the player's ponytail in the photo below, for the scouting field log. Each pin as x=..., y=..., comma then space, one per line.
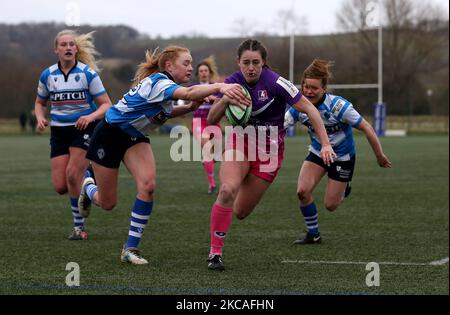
x=85, y=46
x=155, y=62
x=209, y=62
x=319, y=69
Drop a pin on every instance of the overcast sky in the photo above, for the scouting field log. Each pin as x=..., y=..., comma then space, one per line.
x=214, y=18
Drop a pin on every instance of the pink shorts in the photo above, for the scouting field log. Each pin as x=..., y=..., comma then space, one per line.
x=264, y=155
x=198, y=127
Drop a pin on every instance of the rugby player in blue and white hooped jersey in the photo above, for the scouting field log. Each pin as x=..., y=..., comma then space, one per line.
x=339, y=117
x=244, y=181
x=78, y=100
x=122, y=136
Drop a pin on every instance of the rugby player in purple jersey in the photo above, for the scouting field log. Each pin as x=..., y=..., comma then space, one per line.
x=244, y=181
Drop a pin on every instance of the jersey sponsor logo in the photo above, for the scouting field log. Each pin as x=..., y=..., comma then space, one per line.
x=338, y=106
x=288, y=86
x=343, y=173
x=262, y=95
x=68, y=96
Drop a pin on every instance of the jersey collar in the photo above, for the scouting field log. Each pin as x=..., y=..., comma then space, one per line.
x=66, y=76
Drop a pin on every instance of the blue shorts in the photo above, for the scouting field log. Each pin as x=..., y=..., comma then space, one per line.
x=109, y=144
x=61, y=138
x=341, y=171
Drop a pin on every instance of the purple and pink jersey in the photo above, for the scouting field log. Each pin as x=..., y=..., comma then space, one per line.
x=270, y=95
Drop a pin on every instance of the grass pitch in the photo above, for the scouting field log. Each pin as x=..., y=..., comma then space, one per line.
x=398, y=216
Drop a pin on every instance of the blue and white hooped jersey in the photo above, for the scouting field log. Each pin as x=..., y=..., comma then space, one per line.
x=145, y=107
x=339, y=117
x=70, y=96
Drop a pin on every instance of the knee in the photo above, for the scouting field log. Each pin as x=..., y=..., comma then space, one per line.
x=107, y=205
x=227, y=194
x=331, y=205
x=61, y=189
x=73, y=177
x=240, y=215
x=303, y=194
x=147, y=187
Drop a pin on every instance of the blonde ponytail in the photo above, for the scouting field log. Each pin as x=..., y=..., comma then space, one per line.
x=155, y=62
x=148, y=67
x=210, y=62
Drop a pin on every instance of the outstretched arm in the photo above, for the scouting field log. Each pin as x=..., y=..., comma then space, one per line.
x=374, y=142
x=198, y=92
x=180, y=110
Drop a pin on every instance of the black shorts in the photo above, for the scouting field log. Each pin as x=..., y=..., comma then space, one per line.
x=109, y=144
x=61, y=138
x=341, y=171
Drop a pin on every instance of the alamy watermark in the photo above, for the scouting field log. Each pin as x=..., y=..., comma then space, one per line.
x=73, y=14
x=373, y=14
x=373, y=277
x=252, y=143
x=73, y=277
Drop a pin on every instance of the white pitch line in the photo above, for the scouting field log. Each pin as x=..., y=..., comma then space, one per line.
x=439, y=262
x=323, y=262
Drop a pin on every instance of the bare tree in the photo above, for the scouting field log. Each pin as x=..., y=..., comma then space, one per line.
x=408, y=26
x=243, y=27
x=287, y=22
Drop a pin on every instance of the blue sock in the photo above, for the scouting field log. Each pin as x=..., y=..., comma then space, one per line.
x=91, y=190
x=311, y=217
x=139, y=218
x=78, y=220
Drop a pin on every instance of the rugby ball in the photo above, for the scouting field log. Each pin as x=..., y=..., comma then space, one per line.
x=237, y=114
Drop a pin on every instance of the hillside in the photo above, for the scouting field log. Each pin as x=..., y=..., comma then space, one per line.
x=26, y=49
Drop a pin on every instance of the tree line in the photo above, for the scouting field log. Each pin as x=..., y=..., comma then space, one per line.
x=415, y=55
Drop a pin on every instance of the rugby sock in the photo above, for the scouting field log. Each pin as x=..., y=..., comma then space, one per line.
x=209, y=170
x=78, y=220
x=91, y=190
x=311, y=217
x=139, y=218
x=220, y=224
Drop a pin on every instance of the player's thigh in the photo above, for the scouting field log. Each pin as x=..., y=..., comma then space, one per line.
x=77, y=161
x=106, y=180
x=249, y=195
x=232, y=173
x=58, y=169
x=309, y=176
x=334, y=192
x=140, y=162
